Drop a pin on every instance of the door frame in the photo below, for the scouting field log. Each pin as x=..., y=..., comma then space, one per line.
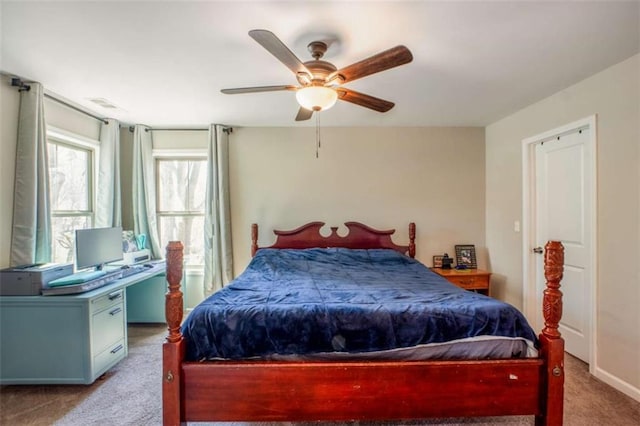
x=529, y=224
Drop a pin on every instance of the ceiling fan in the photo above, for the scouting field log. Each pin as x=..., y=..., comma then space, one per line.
x=320, y=82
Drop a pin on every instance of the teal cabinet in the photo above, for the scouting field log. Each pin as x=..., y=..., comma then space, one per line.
x=70, y=339
x=145, y=300
x=61, y=339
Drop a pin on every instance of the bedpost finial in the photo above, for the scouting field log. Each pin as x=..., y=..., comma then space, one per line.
x=254, y=239
x=552, y=297
x=412, y=240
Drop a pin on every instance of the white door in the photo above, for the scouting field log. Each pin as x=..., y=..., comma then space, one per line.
x=563, y=212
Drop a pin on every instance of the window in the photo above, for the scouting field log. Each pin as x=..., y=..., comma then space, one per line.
x=71, y=195
x=181, y=193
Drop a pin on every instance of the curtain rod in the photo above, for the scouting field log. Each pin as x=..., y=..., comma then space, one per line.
x=22, y=86
x=75, y=108
x=167, y=129
x=175, y=129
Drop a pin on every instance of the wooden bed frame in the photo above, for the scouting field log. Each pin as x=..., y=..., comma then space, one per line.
x=358, y=390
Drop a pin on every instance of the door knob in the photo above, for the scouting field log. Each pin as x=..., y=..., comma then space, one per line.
x=538, y=250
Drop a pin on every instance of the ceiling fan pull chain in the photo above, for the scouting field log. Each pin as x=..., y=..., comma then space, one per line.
x=319, y=143
x=317, y=132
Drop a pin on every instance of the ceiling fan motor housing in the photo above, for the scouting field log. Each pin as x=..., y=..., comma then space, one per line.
x=319, y=69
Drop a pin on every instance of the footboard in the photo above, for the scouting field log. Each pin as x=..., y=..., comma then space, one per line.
x=379, y=390
x=327, y=391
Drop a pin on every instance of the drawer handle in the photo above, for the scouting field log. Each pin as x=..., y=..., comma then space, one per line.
x=116, y=295
x=117, y=349
x=466, y=282
x=115, y=311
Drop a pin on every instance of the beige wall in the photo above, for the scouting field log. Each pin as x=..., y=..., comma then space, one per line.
x=62, y=117
x=180, y=139
x=614, y=95
x=384, y=177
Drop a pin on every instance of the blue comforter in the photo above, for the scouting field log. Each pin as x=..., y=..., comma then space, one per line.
x=323, y=300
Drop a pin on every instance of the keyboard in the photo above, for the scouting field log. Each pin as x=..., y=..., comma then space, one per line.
x=132, y=270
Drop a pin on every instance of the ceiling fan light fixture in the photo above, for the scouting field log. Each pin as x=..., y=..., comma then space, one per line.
x=316, y=98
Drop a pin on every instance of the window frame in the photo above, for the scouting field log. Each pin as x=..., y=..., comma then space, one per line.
x=177, y=155
x=65, y=138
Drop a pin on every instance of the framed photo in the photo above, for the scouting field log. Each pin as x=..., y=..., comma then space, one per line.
x=466, y=256
x=437, y=261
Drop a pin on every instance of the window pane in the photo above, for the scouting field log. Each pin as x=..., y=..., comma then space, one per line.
x=172, y=185
x=69, y=176
x=181, y=185
x=197, y=185
x=182, y=188
x=189, y=230
x=64, y=236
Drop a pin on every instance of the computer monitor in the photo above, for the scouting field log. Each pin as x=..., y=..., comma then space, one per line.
x=97, y=246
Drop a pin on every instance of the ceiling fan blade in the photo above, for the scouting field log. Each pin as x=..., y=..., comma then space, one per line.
x=366, y=101
x=390, y=58
x=304, y=114
x=277, y=48
x=257, y=89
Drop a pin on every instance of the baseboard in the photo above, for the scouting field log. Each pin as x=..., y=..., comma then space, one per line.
x=617, y=383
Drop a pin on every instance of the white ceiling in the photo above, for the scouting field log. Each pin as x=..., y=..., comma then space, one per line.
x=163, y=63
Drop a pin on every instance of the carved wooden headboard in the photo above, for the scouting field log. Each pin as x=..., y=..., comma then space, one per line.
x=359, y=237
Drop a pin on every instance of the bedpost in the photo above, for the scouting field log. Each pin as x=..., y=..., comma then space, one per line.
x=254, y=239
x=552, y=344
x=173, y=348
x=412, y=240
x=174, y=304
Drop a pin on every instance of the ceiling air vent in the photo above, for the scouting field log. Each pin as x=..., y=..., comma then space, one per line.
x=103, y=103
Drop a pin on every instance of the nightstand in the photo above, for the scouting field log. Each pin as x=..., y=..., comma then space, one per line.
x=469, y=279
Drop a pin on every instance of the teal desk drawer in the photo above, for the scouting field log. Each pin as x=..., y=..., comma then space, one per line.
x=109, y=357
x=106, y=300
x=108, y=327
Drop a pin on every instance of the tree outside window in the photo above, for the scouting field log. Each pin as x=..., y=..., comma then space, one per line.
x=71, y=196
x=181, y=190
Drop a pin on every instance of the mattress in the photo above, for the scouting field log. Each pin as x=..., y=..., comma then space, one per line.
x=350, y=304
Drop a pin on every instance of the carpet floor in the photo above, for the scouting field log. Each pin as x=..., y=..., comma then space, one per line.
x=130, y=394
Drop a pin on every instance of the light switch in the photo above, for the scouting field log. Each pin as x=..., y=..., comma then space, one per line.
x=516, y=226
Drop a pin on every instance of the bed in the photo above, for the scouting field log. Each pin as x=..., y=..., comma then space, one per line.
x=230, y=386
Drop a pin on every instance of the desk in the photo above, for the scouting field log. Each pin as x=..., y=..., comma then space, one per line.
x=469, y=279
x=69, y=339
